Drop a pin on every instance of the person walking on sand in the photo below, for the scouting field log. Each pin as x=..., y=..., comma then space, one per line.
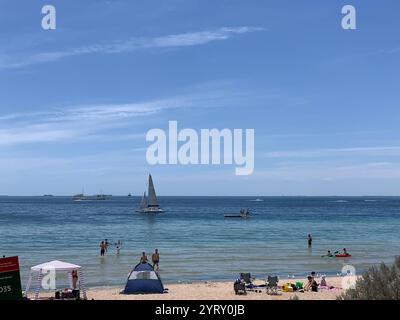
x=310, y=240
x=156, y=259
x=143, y=258
x=102, y=248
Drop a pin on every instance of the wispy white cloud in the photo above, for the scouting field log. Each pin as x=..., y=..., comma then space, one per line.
x=77, y=121
x=100, y=111
x=332, y=171
x=169, y=41
x=388, y=51
x=395, y=150
x=88, y=122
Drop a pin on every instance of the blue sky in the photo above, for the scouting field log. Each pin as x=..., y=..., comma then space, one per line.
x=76, y=102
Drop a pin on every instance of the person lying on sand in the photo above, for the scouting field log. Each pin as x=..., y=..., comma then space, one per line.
x=324, y=284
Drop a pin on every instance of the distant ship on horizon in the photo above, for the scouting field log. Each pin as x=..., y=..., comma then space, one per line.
x=83, y=197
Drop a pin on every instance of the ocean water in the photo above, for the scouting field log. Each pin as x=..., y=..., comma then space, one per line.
x=195, y=241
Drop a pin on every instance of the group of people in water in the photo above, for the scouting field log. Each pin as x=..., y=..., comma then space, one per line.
x=329, y=253
x=105, y=244
x=244, y=212
x=155, y=257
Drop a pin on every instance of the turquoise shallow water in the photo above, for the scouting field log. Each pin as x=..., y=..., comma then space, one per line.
x=196, y=242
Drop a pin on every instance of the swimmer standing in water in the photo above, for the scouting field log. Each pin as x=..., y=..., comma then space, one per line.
x=310, y=240
x=102, y=249
x=118, y=246
x=143, y=258
x=156, y=259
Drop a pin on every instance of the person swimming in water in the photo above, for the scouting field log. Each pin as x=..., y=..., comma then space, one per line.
x=328, y=254
x=310, y=239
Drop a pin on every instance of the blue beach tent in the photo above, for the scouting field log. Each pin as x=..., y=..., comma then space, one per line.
x=143, y=279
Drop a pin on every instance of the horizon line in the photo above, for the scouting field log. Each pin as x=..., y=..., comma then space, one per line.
x=220, y=196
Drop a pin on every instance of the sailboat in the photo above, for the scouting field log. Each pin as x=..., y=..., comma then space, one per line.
x=149, y=203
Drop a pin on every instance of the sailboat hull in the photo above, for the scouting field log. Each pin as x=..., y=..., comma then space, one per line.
x=150, y=210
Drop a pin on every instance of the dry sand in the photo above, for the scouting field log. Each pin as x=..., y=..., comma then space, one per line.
x=216, y=291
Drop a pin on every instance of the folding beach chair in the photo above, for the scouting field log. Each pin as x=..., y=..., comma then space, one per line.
x=246, y=277
x=248, y=280
x=272, y=285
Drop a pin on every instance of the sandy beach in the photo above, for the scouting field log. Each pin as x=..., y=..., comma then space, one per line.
x=215, y=291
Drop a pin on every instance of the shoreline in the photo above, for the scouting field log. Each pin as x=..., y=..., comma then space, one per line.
x=213, y=290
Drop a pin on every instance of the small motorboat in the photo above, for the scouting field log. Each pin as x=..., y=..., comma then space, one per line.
x=244, y=214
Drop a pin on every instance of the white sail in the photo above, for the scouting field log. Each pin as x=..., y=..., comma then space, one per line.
x=149, y=203
x=152, y=198
x=143, y=203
